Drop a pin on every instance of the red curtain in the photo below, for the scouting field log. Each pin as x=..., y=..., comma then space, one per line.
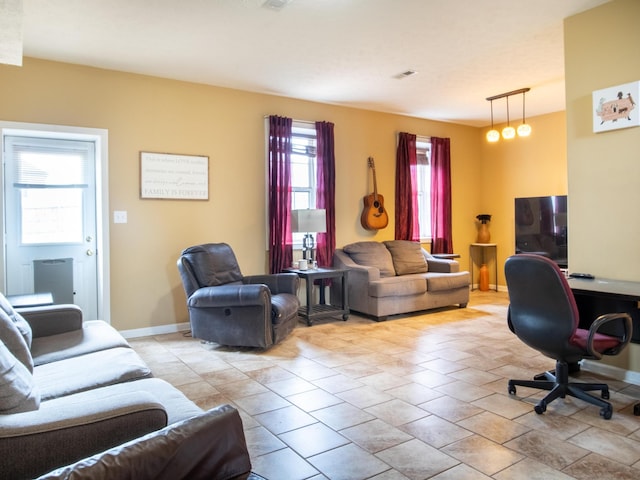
x=406, y=212
x=441, y=196
x=280, y=240
x=325, y=193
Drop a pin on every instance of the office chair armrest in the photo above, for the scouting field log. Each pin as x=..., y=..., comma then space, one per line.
x=604, y=319
x=230, y=296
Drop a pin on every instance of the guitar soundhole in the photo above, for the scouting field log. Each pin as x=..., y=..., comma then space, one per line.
x=376, y=204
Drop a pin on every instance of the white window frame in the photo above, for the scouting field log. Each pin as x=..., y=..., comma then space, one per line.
x=423, y=154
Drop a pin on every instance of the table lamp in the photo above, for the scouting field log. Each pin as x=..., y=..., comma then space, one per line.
x=309, y=221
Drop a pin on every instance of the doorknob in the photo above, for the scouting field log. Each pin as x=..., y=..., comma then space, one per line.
x=89, y=252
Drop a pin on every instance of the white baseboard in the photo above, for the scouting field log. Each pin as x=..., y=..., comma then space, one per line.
x=160, y=330
x=611, y=371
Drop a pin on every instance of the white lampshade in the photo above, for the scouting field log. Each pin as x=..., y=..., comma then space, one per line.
x=493, y=136
x=508, y=132
x=309, y=220
x=524, y=130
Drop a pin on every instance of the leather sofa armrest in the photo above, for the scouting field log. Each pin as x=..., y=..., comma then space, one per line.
x=211, y=445
x=52, y=319
x=230, y=296
x=277, y=283
x=69, y=428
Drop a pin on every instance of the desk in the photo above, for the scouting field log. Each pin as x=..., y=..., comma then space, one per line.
x=322, y=309
x=601, y=295
x=483, y=247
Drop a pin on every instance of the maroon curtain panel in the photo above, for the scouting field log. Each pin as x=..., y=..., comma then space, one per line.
x=406, y=209
x=280, y=240
x=326, y=191
x=441, y=196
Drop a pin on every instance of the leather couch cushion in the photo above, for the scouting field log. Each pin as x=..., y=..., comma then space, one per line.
x=438, y=282
x=398, y=286
x=213, y=264
x=372, y=254
x=407, y=257
x=18, y=392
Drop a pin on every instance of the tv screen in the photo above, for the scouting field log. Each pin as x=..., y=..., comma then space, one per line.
x=541, y=227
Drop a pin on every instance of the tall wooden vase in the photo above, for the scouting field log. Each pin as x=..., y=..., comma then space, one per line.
x=484, y=278
x=484, y=235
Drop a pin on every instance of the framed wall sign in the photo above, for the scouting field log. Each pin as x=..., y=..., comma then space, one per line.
x=615, y=107
x=173, y=176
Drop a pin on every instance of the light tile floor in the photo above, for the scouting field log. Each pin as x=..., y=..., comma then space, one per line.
x=415, y=397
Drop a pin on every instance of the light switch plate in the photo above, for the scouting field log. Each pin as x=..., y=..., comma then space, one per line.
x=119, y=216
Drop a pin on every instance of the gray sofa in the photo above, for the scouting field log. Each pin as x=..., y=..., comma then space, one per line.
x=74, y=396
x=396, y=277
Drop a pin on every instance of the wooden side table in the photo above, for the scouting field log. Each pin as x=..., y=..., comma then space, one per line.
x=322, y=309
x=483, y=247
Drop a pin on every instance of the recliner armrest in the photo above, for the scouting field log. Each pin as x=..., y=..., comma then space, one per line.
x=277, y=282
x=52, y=319
x=230, y=296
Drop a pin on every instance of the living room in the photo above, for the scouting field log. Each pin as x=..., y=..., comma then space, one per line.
x=144, y=113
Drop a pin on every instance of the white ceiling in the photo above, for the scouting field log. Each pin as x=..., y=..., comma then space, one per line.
x=343, y=52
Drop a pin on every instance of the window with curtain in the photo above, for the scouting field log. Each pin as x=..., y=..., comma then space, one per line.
x=423, y=170
x=303, y=170
x=301, y=166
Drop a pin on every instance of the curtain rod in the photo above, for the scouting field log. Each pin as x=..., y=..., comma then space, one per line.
x=309, y=122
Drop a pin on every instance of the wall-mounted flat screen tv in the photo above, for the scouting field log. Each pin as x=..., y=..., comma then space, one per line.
x=541, y=227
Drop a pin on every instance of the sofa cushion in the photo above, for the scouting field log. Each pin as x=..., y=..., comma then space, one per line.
x=407, y=257
x=437, y=282
x=398, y=286
x=372, y=254
x=95, y=335
x=90, y=371
x=18, y=392
x=14, y=340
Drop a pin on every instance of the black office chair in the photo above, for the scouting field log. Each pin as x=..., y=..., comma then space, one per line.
x=543, y=314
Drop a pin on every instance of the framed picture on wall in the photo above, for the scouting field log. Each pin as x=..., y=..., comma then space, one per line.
x=174, y=176
x=615, y=107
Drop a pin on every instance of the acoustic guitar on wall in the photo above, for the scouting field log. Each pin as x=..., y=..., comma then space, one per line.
x=374, y=216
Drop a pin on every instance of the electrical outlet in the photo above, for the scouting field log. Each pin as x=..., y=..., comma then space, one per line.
x=119, y=216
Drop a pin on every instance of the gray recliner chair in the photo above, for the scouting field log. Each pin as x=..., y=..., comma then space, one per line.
x=230, y=309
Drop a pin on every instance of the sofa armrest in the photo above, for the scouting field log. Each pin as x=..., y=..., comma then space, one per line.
x=360, y=272
x=52, y=319
x=67, y=429
x=211, y=445
x=442, y=265
x=277, y=282
x=230, y=296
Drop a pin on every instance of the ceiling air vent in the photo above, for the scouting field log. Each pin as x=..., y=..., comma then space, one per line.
x=275, y=4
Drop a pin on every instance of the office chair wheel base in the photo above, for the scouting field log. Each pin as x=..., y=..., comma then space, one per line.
x=606, y=412
x=605, y=394
x=511, y=389
x=540, y=408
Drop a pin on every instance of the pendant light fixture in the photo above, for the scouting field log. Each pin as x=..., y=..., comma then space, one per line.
x=492, y=135
x=524, y=130
x=508, y=132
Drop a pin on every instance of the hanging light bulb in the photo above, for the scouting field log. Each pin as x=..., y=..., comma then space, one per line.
x=524, y=130
x=492, y=135
x=508, y=132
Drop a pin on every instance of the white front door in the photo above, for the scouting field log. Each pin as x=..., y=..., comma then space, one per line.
x=50, y=219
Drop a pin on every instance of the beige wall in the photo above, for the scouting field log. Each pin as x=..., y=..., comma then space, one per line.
x=522, y=167
x=600, y=52
x=151, y=114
